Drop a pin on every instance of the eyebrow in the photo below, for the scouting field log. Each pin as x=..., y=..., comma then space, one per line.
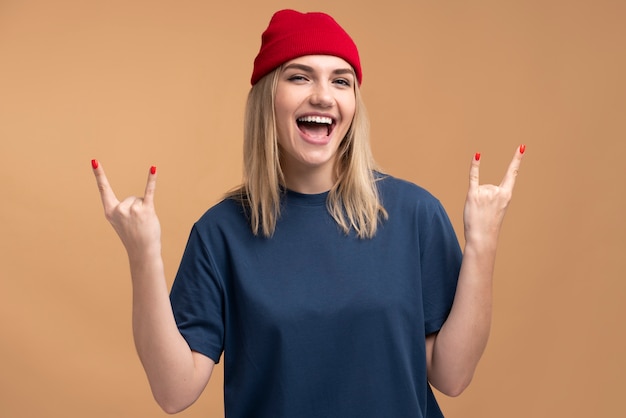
x=309, y=69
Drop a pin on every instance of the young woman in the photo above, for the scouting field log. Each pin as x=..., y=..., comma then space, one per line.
x=331, y=289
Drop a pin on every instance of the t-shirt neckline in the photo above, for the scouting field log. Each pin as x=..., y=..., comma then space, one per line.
x=306, y=199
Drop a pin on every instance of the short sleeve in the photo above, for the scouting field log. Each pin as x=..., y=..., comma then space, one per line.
x=441, y=262
x=197, y=298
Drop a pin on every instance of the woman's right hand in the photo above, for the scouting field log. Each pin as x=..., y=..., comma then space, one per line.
x=134, y=218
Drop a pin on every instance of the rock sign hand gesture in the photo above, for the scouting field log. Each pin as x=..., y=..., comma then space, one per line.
x=134, y=218
x=486, y=204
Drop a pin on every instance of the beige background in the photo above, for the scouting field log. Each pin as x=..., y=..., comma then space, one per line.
x=135, y=83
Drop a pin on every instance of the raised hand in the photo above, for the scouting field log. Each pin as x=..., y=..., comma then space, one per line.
x=486, y=204
x=134, y=218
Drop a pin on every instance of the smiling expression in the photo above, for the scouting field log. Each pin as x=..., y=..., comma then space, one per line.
x=314, y=104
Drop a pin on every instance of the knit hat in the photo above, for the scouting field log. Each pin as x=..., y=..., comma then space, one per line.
x=292, y=34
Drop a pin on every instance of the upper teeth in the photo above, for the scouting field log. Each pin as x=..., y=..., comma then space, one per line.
x=316, y=119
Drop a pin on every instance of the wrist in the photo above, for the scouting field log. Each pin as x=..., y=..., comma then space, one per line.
x=487, y=243
x=144, y=255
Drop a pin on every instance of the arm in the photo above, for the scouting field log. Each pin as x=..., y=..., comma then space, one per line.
x=177, y=375
x=453, y=353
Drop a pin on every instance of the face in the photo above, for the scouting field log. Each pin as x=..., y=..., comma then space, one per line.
x=314, y=104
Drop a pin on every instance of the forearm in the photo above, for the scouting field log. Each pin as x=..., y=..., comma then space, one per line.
x=462, y=339
x=175, y=378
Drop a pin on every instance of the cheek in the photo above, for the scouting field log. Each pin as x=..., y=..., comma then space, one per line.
x=349, y=108
x=282, y=112
x=284, y=101
x=282, y=127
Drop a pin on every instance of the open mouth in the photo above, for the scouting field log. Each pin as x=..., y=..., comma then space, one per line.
x=316, y=126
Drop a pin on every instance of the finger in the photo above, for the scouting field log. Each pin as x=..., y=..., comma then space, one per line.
x=511, y=173
x=109, y=200
x=474, y=172
x=148, y=197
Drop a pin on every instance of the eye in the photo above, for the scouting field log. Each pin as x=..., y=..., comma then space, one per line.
x=297, y=77
x=343, y=82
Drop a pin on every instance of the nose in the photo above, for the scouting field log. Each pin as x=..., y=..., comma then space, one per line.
x=322, y=96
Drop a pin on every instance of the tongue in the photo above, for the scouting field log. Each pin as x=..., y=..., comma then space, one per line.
x=316, y=130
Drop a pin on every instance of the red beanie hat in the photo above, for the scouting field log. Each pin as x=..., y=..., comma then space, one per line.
x=292, y=34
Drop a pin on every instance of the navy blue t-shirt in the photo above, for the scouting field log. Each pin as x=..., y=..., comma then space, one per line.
x=314, y=322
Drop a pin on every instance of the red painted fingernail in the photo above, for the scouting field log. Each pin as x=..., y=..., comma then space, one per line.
x=477, y=156
x=522, y=148
x=153, y=170
x=94, y=164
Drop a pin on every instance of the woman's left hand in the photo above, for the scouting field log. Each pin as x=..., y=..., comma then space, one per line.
x=454, y=352
x=486, y=204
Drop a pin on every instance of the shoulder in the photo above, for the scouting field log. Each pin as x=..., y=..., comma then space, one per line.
x=407, y=202
x=226, y=214
x=395, y=191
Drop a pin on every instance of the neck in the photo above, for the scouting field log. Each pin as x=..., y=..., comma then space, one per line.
x=312, y=180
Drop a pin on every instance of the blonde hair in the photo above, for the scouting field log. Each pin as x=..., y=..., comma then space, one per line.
x=353, y=201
